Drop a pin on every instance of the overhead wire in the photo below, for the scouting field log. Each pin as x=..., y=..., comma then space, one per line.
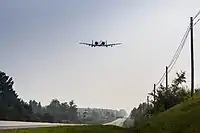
x=172, y=63
x=176, y=55
x=179, y=49
x=196, y=15
x=196, y=22
x=171, y=67
x=161, y=79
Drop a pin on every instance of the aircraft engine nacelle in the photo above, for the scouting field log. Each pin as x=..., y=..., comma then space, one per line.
x=96, y=43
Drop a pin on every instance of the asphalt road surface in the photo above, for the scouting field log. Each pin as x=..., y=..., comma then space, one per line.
x=118, y=122
x=21, y=125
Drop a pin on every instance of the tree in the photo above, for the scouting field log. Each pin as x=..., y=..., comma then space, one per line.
x=36, y=106
x=11, y=107
x=112, y=115
x=47, y=117
x=166, y=98
x=95, y=114
x=141, y=112
x=72, y=111
x=64, y=109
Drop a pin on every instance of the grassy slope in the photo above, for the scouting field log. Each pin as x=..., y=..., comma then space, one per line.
x=73, y=129
x=183, y=118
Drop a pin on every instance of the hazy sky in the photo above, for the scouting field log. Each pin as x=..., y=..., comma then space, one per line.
x=40, y=48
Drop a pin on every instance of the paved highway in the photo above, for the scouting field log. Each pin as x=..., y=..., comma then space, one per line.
x=21, y=125
x=119, y=122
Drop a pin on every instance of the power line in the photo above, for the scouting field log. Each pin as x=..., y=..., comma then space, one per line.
x=196, y=22
x=196, y=15
x=179, y=47
x=176, y=55
x=179, y=52
x=161, y=79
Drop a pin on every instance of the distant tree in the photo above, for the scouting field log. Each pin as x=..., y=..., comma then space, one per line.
x=72, y=110
x=133, y=113
x=36, y=106
x=95, y=114
x=64, y=111
x=54, y=103
x=46, y=117
x=11, y=107
x=112, y=115
x=108, y=114
x=54, y=106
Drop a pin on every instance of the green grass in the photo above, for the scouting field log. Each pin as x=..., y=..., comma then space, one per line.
x=183, y=118
x=73, y=129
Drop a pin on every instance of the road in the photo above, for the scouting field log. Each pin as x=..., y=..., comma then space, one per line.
x=119, y=122
x=21, y=125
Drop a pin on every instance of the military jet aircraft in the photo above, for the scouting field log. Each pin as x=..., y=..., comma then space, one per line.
x=100, y=44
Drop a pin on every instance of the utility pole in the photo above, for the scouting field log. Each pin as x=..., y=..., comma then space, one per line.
x=166, y=77
x=154, y=94
x=192, y=57
x=148, y=100
x=148, y=104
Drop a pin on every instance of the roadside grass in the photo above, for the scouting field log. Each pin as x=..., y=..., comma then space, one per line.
x=73, y=129
x=183, y=118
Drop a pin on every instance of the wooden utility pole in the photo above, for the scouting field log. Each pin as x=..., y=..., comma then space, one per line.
x=148, y=104
x=192, y=57
x=154, y=94
x=148, y=100
x=166, y=77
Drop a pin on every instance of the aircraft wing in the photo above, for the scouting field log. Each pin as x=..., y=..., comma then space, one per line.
x=87, y=44
x=113, y=44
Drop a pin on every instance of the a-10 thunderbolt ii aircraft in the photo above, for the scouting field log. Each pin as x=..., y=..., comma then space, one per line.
x=100, y=44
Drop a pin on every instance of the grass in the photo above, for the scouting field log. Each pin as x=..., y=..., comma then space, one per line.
x=183, y=118
x=73, y=129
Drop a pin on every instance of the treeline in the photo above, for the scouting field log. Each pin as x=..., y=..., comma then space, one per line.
x=69, y=113
x=14, y=108
x=97, y=115
x=165, y=98
x=55, y=111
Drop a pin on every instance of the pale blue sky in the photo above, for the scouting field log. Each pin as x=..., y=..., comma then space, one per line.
x=40, y=48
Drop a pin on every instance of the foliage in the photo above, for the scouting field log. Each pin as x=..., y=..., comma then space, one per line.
x=11, y=107
x=182, y=118
x=55, y=111
x=141, y=113
x=165, y=98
